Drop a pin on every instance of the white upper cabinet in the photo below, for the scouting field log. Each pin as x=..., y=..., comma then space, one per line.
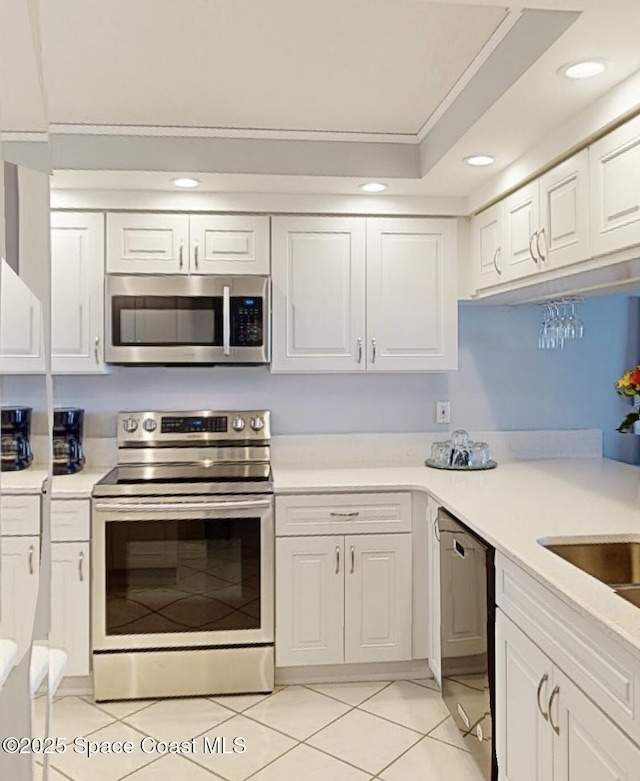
x=140, y=243
x=77, y=292
x=147, y=243
x=615, y=189
x=487, y=238
x=21, y=338
x=318, y=294
x=378, y=623
x=521, y=225
x=411, y=295
x=326, y=319
x=563, y=237
x=221, y=244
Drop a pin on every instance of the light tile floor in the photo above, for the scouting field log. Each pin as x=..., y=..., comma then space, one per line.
x=396, y=731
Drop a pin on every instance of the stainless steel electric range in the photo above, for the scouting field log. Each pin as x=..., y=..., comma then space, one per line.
x=183, y=558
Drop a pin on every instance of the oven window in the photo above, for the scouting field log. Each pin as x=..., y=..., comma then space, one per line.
x=182, y=576
x=166, y=320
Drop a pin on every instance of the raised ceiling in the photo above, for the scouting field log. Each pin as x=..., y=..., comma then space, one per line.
x=374, y=66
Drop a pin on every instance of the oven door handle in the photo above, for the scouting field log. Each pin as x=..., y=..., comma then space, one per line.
x=146, y=507
x=226, y=320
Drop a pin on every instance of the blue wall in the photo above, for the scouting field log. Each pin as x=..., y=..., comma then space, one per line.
x=504, y=382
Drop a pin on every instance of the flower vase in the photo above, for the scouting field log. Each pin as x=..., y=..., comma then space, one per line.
x=636, y=408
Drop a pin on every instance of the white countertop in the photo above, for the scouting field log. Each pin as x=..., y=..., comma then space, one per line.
x=29, y=481
x=514, y=506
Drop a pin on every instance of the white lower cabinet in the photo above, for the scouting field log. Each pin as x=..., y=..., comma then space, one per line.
x=70, y=604
x=378, y=623
x=546, y=728
x=433, y=565
x=343, y=599
x=20, y=560
x=309, y=601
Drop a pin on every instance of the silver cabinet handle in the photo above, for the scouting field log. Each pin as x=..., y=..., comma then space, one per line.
x=436, y=529
x=80, y=561
x=543, y=681
x=359, y=349
x=554, y=694
x=96, y=349
x=533, y=238
x=353, y=559
x=495, y=262
x=31, y=552
x=337, y=559
x=195, y=254
x=540, y=235
x=373, y=351
x=226, y=320
x=353, y=514
x=181, y=253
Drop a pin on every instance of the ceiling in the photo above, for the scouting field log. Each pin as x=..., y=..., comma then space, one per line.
x=374, y=66
x=299, y=68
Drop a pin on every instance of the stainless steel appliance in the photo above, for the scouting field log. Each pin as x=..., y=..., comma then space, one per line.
x=16, y=442
x=68, y=454
x=467, y=636
x=187, y=319
x=183, y=558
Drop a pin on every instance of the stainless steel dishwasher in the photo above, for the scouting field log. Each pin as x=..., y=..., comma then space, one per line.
x=467, y=636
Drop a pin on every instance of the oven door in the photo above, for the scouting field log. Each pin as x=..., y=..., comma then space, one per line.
x=176, y=574
x=187, y=320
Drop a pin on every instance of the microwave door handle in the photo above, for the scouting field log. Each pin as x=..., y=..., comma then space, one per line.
x=226, y=320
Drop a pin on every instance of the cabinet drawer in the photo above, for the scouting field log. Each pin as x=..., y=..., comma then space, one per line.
x=594, y=661
x=343, y=514
x=20, y=515
x=70, y=519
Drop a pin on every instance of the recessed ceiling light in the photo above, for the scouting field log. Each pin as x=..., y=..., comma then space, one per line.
x=583, y=70
x=479, y=160
x=185, y=181
x=373, y=187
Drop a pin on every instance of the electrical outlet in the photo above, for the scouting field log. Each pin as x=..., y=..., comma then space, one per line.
x=443, y=412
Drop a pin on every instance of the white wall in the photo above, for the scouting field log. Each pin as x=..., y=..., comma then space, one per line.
x=504, y=382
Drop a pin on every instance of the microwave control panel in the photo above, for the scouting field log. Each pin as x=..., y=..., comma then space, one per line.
x=246, y=322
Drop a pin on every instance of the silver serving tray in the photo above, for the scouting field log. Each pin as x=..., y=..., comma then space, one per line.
x=489, y=465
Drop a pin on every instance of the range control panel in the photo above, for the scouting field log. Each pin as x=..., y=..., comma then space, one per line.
x=159, y=429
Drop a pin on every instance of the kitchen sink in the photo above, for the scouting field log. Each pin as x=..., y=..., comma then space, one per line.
x=613, y=563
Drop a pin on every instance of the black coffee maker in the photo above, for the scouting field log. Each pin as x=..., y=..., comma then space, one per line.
x=68, y=456
x=15, y=423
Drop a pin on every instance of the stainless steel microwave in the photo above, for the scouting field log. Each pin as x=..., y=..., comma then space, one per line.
x=187, y=320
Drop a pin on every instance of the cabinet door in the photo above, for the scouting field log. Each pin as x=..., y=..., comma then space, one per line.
x=615, y=189
x=524, y=677
x=70, y=604
x=77, y=292
x=309, y=600
x=378, y=597
x=521, y=223
x=147, y=243
x=234, y=244
x=19, y=589
x=412, y=302
x=486, y=246
x=318, y=278
x=21, y=343
x=564, y=217
x=435, y=662
x=588, y=745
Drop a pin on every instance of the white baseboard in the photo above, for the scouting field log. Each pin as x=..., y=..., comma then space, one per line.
x=348, y=673
x=80, y=685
